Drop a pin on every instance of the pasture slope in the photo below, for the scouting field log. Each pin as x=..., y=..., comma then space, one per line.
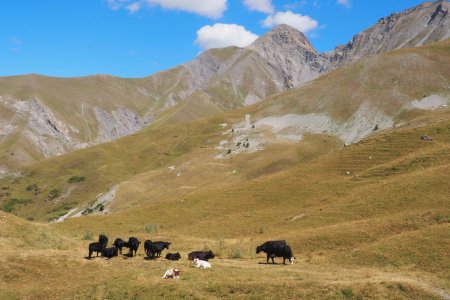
x=366, y=221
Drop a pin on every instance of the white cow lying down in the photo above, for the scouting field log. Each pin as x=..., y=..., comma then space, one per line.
x=172, y=273
x=203, y=264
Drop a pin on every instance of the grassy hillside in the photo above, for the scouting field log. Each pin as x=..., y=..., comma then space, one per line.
x=367, y=221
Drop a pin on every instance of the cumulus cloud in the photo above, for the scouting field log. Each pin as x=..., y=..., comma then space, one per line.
x=223, y=35
x=346, y=3
x=264, y=6
x=207, y=8
x=298, y=21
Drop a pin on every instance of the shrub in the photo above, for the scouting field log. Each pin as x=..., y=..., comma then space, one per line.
x=347, y=292
x=87, y=211
x=32, y=187
x=55, y=193
x=76, y=179
x=442, y=219
x=150, y=228
x=261, y=229
x=9, y=205
x=87, y=236
x=236, y=252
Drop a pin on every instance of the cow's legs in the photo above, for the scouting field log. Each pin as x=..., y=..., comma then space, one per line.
x=268, y=256
x=90, y=254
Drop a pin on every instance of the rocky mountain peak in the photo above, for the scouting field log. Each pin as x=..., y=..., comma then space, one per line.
x=290, y=54
x=285, y=36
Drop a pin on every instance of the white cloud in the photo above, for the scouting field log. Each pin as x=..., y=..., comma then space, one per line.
x=346, y=3
x=298, y=21
x=208, y=8
x=133, y=7
x=264, y=6
x=223, y=35
x=116, y=4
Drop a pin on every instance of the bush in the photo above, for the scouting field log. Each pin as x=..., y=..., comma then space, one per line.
x=87, y=236
x=261, y=229
x=76, y=179
x=55, y=193
x=442, y=219
x=236, y=252
x=87, y=211
x=9, y=205
x=347, y=292
x=150, y=228
x=32, y=187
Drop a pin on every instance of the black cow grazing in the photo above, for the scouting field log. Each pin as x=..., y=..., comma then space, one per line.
x=119, y=244
x=202, y=255
x=276, y=249
x=102, y=239
x=95, y=247
x=133, y=244
x=110, y=252
x=173, y=256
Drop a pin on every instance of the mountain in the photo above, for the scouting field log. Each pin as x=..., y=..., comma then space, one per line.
x=424, y=24
x=362, y=219
x=41, y=117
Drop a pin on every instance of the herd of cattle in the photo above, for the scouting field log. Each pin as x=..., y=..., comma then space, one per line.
x=199, y=258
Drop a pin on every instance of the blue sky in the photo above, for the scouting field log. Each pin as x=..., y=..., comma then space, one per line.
x=136, y=38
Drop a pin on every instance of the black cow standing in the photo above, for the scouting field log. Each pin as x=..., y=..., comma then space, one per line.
x=119, y=244
x=276, y=249
x=99, y=246
x=95, y=247
x=202, y=255
x=103, y=239
x=155, y=248
x=133, y=244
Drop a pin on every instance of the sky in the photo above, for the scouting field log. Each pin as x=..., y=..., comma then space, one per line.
x=137, y=38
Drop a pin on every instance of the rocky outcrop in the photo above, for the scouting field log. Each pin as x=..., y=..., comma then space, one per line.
x=118, y=123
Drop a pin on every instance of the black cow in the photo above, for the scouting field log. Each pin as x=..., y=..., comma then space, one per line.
x=155, y=248
x=173, y=256
x=110, y=252
x=133, y=244
x=102, y=239
x=276, y=249
x=148, y=248
x=119, y=244
x=202, y=255
x=158, y=247
x=95, y=247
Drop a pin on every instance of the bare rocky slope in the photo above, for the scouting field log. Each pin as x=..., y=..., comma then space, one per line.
x=42, y=117
x=424, y=24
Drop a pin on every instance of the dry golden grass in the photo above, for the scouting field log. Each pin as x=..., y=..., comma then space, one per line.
x=381, y=232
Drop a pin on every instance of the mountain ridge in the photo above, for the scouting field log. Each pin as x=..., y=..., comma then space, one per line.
x=83, y=111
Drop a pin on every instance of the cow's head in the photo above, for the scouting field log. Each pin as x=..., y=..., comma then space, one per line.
x=292, y=259
x=259, y=249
